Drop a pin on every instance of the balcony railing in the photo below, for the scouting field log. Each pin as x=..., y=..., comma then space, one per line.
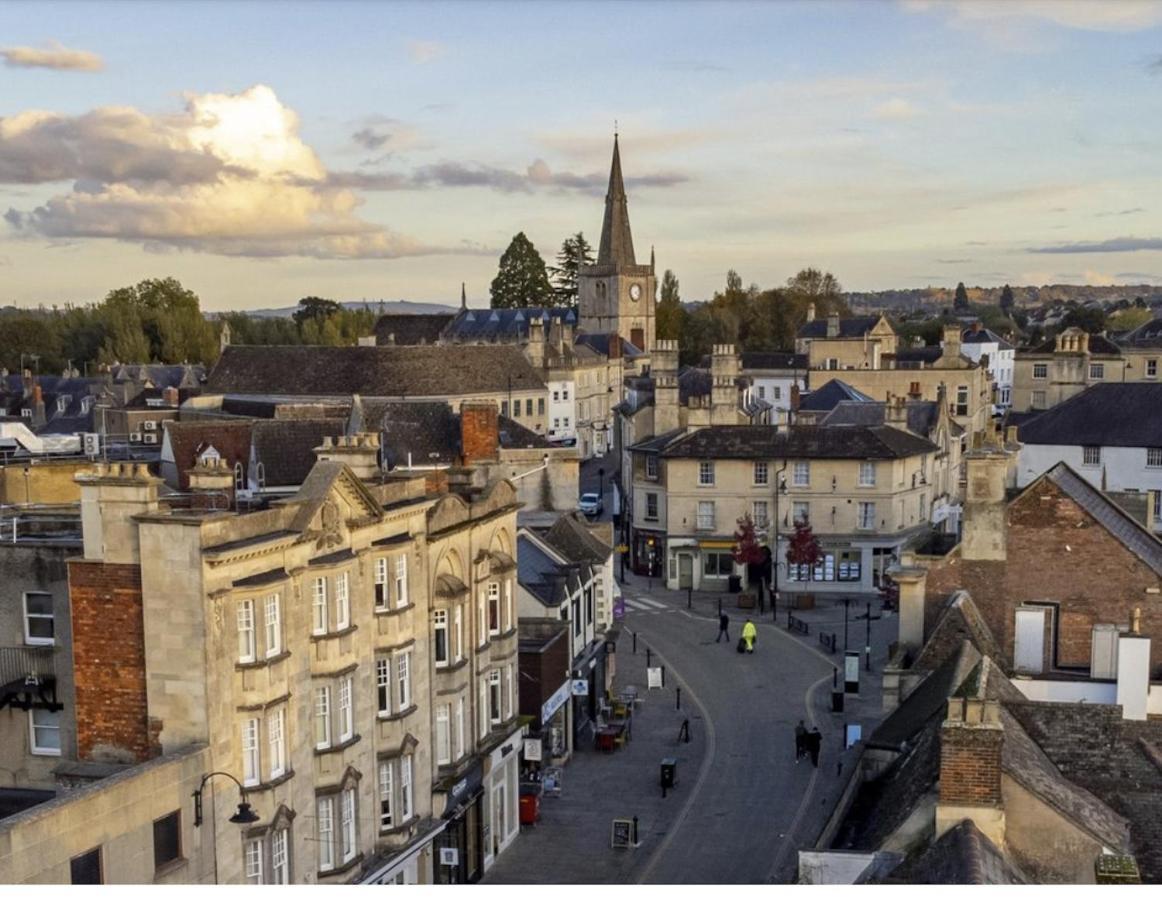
x=18, y=663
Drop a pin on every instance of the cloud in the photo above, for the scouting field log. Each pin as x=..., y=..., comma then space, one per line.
x=54, y=56
x=1120, y=212
x=1114, y=245
x=385, y=136
x=423, y=52
x=896, y=110
x=1144, y=276
x=228, y=175
x=1154, y=66
x=1108, y=15
x=954, y=262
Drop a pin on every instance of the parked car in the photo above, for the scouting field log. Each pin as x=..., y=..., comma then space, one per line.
x=591, y=504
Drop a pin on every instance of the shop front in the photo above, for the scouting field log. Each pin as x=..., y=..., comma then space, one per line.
x=704, y=565
x=846, y=567
x=501, y=797
x=556, y=731
x=459, y=857
x=647, y=549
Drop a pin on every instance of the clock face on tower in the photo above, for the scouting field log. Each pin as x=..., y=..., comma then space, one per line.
x=635, y=291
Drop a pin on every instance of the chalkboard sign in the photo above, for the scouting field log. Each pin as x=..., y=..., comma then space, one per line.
x=622, y=835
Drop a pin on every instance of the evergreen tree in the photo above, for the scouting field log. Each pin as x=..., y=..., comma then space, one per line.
x=961, y=301
x=521, y=280
x=1007, y=301
x=315, y=309
x=575, y=252
x=670, y=316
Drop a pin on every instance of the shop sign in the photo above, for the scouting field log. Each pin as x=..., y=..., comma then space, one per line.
x=580, y=687
x=554, y=703
x=533, y=750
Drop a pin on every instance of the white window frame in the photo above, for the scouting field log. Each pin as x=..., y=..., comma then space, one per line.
x=482, y=725
x=401, y=582
x=383, y=685
x=349, y=819
x=29, y=639
x=651, y=466
x=706, y=515
x=406, y=798
x=403, y=676
x=458, y=632
x=800, y=505
x=443, y=736
x=1040, y=371
x=1097, y=371
x=247, y=651
x=509, y=622
x=706, y=473
x=251, y=735
x=1037, y=400
x=494, y=609
x=35, y=747
x=382, y=594
x=510, y=691
x=386, y=799
x=495, y=701
x=346, y=709
x=322, y=716
x=651, y=498
x=459, y=747
x=761, y=474
x=760, y=513
x=867, y=474
x=319, y=606
x=276, y=740
x=866, y=516
x=440, y=625
x=1151, y=368
x=801, y=474
x=342, y=601
x=273, y=621
x=280, y=856
x=255, y=851
x=1153, y=457
x=1091, y=455
x=325, y=828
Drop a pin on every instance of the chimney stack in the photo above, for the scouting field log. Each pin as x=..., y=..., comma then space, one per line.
x=811, y=311
x=951, y=342
x=971, y=741
x=212, y=484
x=913, y=582
x=170, y=396
x=111, y=495
x=360, y=452
x=479, y=432
x=536, y=346
x=724, y=370
x=983, y=533
x=664, y=363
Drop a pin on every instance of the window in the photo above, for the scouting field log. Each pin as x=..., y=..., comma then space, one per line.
x=516, y=409
x=254, y=854
x=1038, y=401
x=322, y=717
x=167, y=839
x=1154, y=457
x=564, y=393
x=245, y=631
x=556, y=396
x=759, y=516
x=777, y=392
x=651, y=507
x=867, y=474
x=922, y=508
x=717, y=565
x=250, y=761
x=459, y=727
x=706, y=515
x=565, y=422
x=482, y=709
x=867, y=516
x=540, y=406
x=280, y=857
x=1156, y=496
x=86, y=868
x=319, y=607
x=556, y=423
x=405, y=788
x=651, y=466
x=1040, y=370
x=383, y=685
x=801, y=512
x=706, y=473
x=385, y=783
x=346, y=714
x=26, y=413
x=762, y=392
x=1097, y=371
x=760, y=473
x=504, y=407
x=39, y=627
x=276, y=737
x=342, y=601
x=325, y=824
x=381, y=597
x=273, y=623
x=575, y=605
x=529, y=407
x=403, y=679
x=962, y=399
x=261, y=474
x=1151, y=368
x=493, y=608
x=832, y=364
x=495, y=714
x=44, y=731
x=348, y=822
x=440, y=636
x=401, y=581
x=801, y=474
x=443, y=738
x=509, y=622
x=1091, y=456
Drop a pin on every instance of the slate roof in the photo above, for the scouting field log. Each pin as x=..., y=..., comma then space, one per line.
x=960, y=620
x=440, y=371
x=922, y=415
x=693, y=382
x=286, y=447
x=1146, y=336
x=828, y=395
x=962, y=855
x=1098, y=344
x=503, y=325
x=539, y=574
x=927, y=700
x=616, y=245
x=799, y=442
x=573, y=540
x=514, y=436
x=658, y=442
x=753, y=359
x=189, y=439
x=927, y=355
x=1103, y=415
x=600, y=344
x=850, y=327
x=429, y=431
x=402, y=329
x=985, y=336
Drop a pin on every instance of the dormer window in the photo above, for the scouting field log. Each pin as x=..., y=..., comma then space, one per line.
x=62, y=404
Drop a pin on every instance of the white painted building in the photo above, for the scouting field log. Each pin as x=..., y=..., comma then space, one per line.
x=978, y=342
x=774, y=375
x=562, y=417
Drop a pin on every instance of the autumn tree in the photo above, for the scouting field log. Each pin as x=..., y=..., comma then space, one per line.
x=521, y=280
x=803, y=547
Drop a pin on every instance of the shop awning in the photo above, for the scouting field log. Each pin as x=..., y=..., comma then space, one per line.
x=716, y=545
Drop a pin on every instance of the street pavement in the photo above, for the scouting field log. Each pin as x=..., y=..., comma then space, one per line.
x=743, y=806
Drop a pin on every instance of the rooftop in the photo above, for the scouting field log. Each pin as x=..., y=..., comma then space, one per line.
x=1116, y=414
x=798, y=442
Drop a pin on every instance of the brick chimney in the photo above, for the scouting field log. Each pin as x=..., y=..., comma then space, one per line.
x=170, y=396
x=664, y=363
x=971, y=741
x=614, y=346
x=360, y=453
x=983, y=536
x=833, y=325
x=212, y=484
x=479, y=432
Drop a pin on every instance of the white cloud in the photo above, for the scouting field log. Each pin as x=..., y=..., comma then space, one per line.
x=422, y=52
x=229, y=175
x=896, y=110
x=998, y=16
x=54, y=56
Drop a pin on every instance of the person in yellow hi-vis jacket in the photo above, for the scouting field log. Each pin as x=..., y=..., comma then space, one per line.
x=749, y=633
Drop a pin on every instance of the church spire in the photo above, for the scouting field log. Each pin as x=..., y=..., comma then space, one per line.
x=616, y=248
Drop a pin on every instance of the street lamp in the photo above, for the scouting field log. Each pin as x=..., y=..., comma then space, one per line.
x=245, y=815
x=780, y=488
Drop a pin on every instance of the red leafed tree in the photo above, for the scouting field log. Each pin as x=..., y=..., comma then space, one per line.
x=803, y=549
x=747, y=551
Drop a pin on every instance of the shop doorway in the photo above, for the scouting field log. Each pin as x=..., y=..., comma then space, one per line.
x=685, y=571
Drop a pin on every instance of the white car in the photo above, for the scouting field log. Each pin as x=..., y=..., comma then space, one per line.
x=590, y=504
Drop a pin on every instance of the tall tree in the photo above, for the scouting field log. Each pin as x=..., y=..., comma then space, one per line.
x=670, y=316
x=521, y=280
x=165, y=316
x=315, y=309
x=1007, y=301
x=575, y=252
x=961, y=301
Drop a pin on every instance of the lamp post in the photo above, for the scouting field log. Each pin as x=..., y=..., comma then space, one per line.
x=780, y=488
x=245, y=814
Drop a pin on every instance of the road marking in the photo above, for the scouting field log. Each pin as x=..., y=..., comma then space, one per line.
x=651, y=603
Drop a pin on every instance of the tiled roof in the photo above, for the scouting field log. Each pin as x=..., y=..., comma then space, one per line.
x=985, y=336
x=962, y=855
x=658, y=442
x=570, y=537
x=600, y=343
x=922, y=415
x=1103, y=415
x=799, y=442
x=189, y=439
x=1146, y=336
x=1098, y=344
x=440, y=371
x=693, y=382
x=503, y=325
x=752, y=359
x=402, y=329
x=850, y=327
x=286, y=447
x=828, y=395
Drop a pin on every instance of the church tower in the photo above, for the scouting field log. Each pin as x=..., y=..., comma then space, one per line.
x=617, y=295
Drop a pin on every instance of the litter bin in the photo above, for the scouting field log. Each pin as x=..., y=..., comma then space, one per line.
x=734, y=583
x=669, y=772
x=837, y=701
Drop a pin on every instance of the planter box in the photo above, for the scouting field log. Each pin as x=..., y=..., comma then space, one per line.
x=746, y=601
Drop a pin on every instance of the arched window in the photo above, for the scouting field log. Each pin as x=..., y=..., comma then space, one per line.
x=239, y=477
x=261, y=471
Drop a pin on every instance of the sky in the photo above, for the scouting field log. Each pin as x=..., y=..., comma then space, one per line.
x=262, y=152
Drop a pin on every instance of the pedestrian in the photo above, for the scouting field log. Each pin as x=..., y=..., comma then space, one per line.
x=749, y=633
x=814, y=745
x=723, y=625
x=800, y=736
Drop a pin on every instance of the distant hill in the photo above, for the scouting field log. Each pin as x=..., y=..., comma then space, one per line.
x=395, y=307
x=1025, y=295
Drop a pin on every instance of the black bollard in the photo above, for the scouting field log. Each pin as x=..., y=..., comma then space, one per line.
x=635, y=643
x=678, y=699
x=689, y=597
x=635, y=831
x=838, y=768
x=835, y=678
x=649, y=654
x=663, y=676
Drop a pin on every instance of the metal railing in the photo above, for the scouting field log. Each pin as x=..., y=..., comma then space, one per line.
x=40, y=523
x=18, y=663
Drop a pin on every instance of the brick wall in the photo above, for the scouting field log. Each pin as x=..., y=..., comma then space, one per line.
x=1096, y=580
x=479, y=437
x=970, y=765
x=109, y=662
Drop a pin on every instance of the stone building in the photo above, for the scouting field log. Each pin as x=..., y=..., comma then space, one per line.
x=1064, y=366
x=842, y=343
